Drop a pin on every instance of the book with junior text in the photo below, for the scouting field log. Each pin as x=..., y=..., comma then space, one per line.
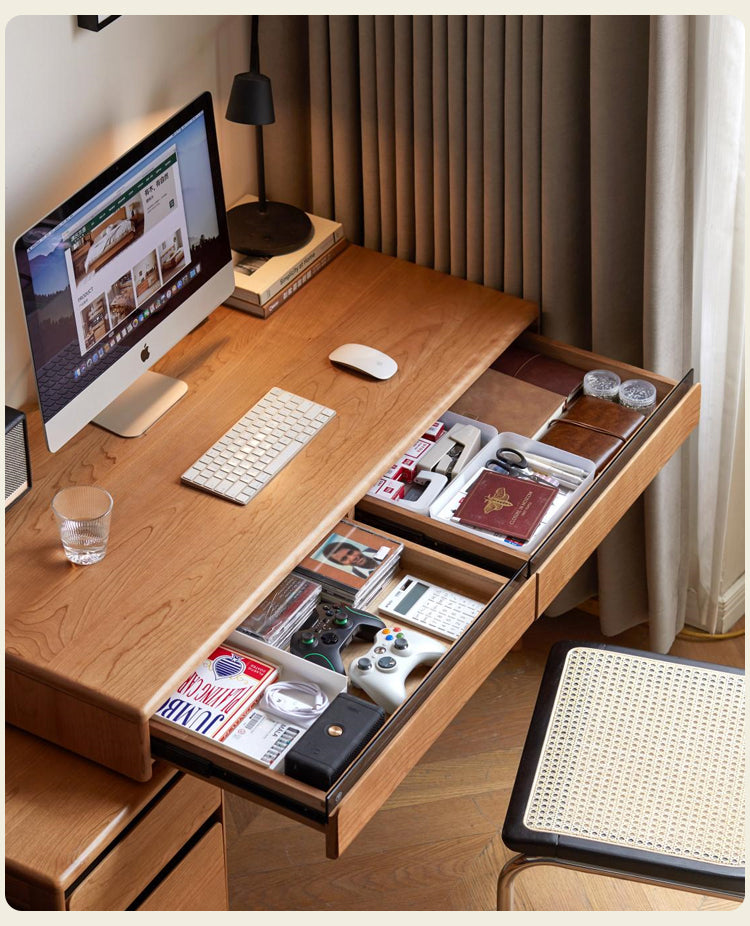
x=218, y=693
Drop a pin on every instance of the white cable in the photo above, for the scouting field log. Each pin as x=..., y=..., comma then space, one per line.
x=275, y=701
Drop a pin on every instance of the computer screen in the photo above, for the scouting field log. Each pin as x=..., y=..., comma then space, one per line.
x=122, y=270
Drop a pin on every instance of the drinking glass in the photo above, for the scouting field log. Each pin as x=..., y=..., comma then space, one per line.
x=83, y=515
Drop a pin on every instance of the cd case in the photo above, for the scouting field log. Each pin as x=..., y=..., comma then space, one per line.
x=283, y=611
x=351, y=563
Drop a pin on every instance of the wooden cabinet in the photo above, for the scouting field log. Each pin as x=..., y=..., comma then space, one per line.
x=92, y=652
x=198, y=881
x=81, y=837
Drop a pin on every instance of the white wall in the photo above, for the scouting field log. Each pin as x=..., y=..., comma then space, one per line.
x=75, y=100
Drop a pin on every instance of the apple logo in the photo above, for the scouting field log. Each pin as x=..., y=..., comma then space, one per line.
x=144, y=353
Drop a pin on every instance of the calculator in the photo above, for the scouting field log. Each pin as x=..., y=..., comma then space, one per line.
x=431, y=607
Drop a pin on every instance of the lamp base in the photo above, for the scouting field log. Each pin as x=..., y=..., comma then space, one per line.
x=279, y=229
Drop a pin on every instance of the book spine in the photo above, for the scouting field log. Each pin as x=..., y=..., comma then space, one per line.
x=272, y=289
x=263, y=311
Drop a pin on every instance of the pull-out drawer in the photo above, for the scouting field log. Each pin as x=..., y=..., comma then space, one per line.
x=586, y=524
x=143, y=851
x=197, y=882
x=435, y=695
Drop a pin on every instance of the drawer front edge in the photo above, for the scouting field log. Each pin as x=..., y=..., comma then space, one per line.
x=554, y=566
x=142, y=853
x=198, y=881
x=223, y=777
x=365, y=797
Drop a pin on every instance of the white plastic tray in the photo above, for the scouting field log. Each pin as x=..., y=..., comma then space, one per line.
x=445, y=504
x=438, y=481
x=291, y=667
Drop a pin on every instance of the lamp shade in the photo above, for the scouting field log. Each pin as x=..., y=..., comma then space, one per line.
x=251, y=100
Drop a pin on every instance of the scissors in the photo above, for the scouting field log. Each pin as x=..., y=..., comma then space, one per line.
x=513, y=463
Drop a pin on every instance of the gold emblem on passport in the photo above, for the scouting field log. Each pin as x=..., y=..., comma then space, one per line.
x=497, y=501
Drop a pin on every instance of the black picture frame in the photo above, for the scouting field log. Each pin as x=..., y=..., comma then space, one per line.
x=96, y=23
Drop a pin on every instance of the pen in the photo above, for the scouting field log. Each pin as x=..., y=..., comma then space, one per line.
x=556, y=465
x=563, y=479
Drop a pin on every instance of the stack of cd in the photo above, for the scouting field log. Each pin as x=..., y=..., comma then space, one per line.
x=352, y=564
x=285, y=610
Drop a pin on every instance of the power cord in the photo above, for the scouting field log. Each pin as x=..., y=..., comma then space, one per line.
x=705, y=637
x=282, y=698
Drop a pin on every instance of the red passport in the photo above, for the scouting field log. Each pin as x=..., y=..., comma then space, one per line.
x=505, y=504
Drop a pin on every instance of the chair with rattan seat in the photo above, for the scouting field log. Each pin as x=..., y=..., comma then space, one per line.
x=633, y=767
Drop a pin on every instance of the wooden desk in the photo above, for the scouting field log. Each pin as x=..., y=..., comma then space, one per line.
x=91, y=652
x=80, y=837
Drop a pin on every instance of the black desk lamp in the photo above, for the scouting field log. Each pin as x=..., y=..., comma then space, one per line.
x=263, y=228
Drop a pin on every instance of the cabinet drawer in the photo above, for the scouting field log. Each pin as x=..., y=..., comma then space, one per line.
x=435, y=695
x=198, y=881
x=138, y=857
x=586, y=524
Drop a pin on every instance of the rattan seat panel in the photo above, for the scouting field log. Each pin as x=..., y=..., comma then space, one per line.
x=645, y=754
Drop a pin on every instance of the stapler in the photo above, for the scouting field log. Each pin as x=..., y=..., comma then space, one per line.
x=452, y=451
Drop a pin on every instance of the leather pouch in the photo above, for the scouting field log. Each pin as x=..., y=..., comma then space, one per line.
x=593, y=428
x=554, y=375
x=333, y=741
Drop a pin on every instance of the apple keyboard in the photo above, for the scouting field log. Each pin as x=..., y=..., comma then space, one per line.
x=245, y=459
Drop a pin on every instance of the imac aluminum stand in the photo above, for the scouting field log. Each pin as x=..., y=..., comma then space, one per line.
x=134, y=411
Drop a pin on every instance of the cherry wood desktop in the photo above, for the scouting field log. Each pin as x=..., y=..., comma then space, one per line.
x=183, y=568
x=91, y=652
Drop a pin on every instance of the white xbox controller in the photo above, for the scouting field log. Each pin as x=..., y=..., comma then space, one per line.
x=383, y=670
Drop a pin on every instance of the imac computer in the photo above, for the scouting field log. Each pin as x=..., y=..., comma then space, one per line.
x=122, y=270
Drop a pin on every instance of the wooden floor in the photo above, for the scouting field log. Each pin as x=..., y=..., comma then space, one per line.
x=436, y=844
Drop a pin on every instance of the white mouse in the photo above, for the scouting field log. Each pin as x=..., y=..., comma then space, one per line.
x=364, y=359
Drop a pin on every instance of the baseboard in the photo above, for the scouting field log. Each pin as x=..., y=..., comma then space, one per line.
x=731, y=608
x=732, y=605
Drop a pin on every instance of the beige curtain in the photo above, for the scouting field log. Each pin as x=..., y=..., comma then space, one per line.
x=522, y=152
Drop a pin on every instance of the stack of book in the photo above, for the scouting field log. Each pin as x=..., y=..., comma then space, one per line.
x=262, y=284
x=282, y=612
x=352, y=564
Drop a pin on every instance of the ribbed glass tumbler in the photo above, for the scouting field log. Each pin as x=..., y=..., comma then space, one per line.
x=83, y=515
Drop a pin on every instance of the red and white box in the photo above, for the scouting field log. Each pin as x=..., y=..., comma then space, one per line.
x=418, y=449
x=218, y=693
x=408, y=462
x=409, y=468
x=397, y=473
x=389, y=489
x=434, y=431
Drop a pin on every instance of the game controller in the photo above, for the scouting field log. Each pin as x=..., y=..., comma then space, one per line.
x=329, y=629
x=383, y=670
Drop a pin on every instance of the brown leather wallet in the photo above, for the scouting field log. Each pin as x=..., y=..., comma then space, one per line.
x=555, y=375
x=593, y=428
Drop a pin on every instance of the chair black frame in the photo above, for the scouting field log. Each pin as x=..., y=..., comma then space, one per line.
x=545, y=848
